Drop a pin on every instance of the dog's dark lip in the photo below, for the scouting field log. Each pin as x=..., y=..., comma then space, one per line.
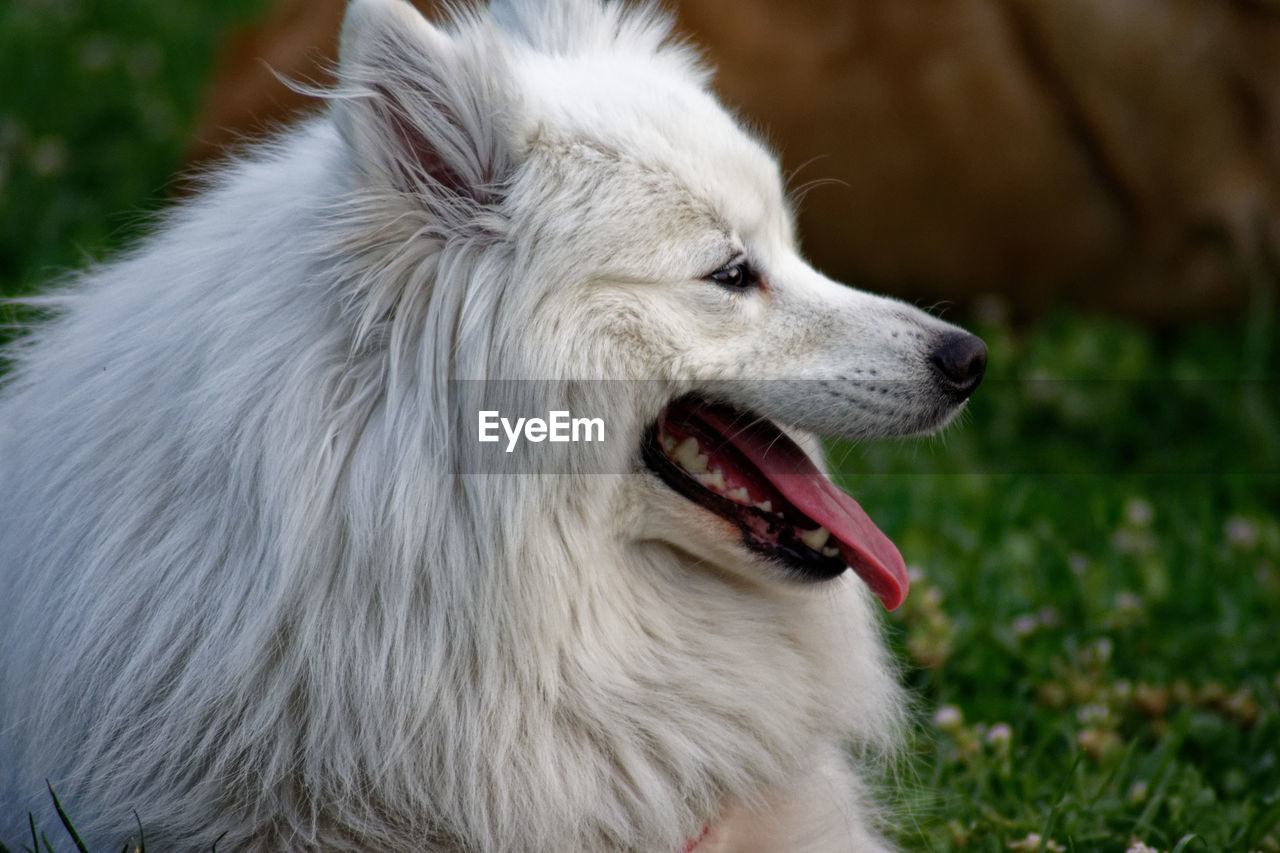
x=774, y=535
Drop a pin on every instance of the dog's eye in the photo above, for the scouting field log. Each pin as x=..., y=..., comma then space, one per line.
x=738, y=274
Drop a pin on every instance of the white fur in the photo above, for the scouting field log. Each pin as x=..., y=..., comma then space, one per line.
x=250, y=589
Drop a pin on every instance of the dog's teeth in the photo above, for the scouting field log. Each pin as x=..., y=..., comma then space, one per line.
x=831, y=552
x=713, y=480
x=815, y=539
x=740, y=495
x=685, y=450
x=765, y=506
x=668, y=442
x=688, y=455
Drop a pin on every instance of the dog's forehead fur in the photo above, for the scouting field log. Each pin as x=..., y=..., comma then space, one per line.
x=658, y=133
x=618, y=93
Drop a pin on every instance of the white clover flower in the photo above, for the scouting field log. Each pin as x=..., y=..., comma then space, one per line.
x=1097, y=653
x=1093, y=714
x=1127, y=601
x=1024, y=626
x=1240, y=532
x=1031, y=844
x=948, y=718
x=1139, y=512
x=1047, y=617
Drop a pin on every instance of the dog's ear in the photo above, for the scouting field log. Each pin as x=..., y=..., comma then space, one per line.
x=421, y=108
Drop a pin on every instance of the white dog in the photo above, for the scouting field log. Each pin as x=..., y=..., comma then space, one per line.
x=261, y=583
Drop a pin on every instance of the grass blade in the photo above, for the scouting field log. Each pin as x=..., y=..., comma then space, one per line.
x=66, y=821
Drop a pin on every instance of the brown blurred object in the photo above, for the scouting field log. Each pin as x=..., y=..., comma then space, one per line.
x=1118, y=154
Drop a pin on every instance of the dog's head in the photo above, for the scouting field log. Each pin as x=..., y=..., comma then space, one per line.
x=615, y=222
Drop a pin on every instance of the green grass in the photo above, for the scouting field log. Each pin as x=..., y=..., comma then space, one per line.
x=1094, y=630
x=96, y=100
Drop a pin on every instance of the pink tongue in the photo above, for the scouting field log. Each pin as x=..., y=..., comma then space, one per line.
x=866, y=549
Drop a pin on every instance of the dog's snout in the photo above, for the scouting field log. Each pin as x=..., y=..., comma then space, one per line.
x=960, y=360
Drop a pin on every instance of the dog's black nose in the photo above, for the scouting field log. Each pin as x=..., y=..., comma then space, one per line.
x=960, y=359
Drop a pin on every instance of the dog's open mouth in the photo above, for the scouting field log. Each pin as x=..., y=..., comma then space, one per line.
x=744, y=469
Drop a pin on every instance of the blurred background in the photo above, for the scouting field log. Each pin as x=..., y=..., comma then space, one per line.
x=1093, y=185
x=1122, y=156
